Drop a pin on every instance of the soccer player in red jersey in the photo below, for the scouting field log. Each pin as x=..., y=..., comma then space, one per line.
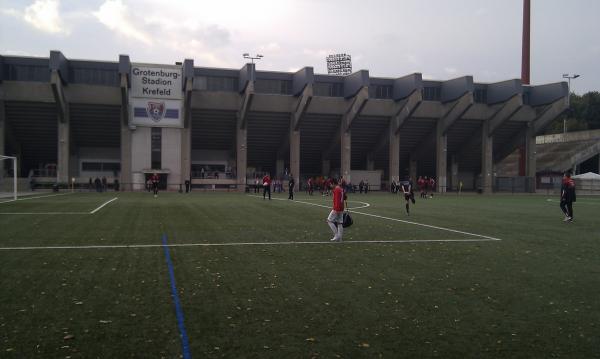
x=155, y=180
x=336, y=216
x=431, y=186
x=266, y=186
x=421, y=184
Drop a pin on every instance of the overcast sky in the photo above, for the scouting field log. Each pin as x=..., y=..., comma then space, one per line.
x=441, y=39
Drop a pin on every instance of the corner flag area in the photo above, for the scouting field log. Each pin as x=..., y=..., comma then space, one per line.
x=116, y=275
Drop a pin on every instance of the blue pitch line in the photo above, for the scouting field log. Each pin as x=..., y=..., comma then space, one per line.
x=179, y=312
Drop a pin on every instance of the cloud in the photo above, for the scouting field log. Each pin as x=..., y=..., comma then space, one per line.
x=481, y=12
x=450, y=70
x=114, y=15
x=22, y=53
x=271, y=47
x=43, y=15
x=216, y=36
x=11, y=12
x=412, y=59
x=320, y=53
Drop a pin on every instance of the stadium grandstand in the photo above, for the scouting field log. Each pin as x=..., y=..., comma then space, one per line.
x=68, y=121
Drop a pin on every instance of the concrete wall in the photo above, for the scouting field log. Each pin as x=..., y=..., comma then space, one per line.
x=502, y=91
x=568, y=137
x=140, y=148
x=455, y=88
x=94, y=154
x=171, y=154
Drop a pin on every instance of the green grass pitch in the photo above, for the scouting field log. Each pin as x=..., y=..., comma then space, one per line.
x=260, y=279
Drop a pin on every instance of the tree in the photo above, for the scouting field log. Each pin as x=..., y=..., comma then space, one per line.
x=584, y=114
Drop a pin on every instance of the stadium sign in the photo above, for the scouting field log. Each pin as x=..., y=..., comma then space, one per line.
x=156, y=96
x=339, y=64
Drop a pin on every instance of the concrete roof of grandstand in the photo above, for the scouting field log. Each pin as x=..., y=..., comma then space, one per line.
x=94, y=91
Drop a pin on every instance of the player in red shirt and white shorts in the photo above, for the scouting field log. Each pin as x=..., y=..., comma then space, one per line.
x=266, y=186
x=336, y=216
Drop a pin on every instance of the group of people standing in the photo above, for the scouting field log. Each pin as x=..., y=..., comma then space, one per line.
x=101, y=185
x=426, y=185
x=266, y=184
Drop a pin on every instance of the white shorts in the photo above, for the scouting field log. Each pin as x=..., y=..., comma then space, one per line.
x=337, y=217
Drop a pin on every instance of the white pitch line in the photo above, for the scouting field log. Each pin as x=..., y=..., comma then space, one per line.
x=103, y=204
x=59, y=213
x=43, y=213
x=238, y=244
x=398, y=220
x=36, y=197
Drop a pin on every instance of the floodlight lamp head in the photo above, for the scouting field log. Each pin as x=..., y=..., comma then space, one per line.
x=575, y=76
x=246, y=55
x=259, y=55
x=565, y=76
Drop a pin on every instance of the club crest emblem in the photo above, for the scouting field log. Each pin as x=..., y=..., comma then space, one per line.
x=156, y=110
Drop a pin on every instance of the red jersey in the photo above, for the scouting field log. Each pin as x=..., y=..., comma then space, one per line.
x=338, y=199
x=154, y=179
x=267, y=180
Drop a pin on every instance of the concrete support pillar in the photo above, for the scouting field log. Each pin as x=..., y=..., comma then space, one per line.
x=326, y=167
x=62, y=168
x=186, y=153
x=412, y=170
x=530, y=155
x=345, y=151
x=441, y=157
x=394, y=154
x=241, y=158
x=487, y=146
x=295, y=156
x=2, y=136
x=279, y=167
x=126, y=178
x=454, y=173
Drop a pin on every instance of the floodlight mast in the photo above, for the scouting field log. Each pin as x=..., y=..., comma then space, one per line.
x=568, y=77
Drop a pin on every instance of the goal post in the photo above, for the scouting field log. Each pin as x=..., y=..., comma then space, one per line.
x=8, y=177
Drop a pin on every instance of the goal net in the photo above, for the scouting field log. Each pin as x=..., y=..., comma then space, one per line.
x=8, y=178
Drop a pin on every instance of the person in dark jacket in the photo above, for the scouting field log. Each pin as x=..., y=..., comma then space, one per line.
x=567, y=197
x=291, y=184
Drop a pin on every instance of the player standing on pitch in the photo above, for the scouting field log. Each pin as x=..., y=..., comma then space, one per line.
x=291, y=184
x=336, y=216
x=266, y=186
x=409, y=195
x=567, y=196
x=154, y=179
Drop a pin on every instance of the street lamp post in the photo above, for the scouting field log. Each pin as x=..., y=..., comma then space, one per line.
x=568, y=77
x=252, y=58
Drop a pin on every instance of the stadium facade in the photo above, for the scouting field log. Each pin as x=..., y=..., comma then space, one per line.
x=71, y=119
